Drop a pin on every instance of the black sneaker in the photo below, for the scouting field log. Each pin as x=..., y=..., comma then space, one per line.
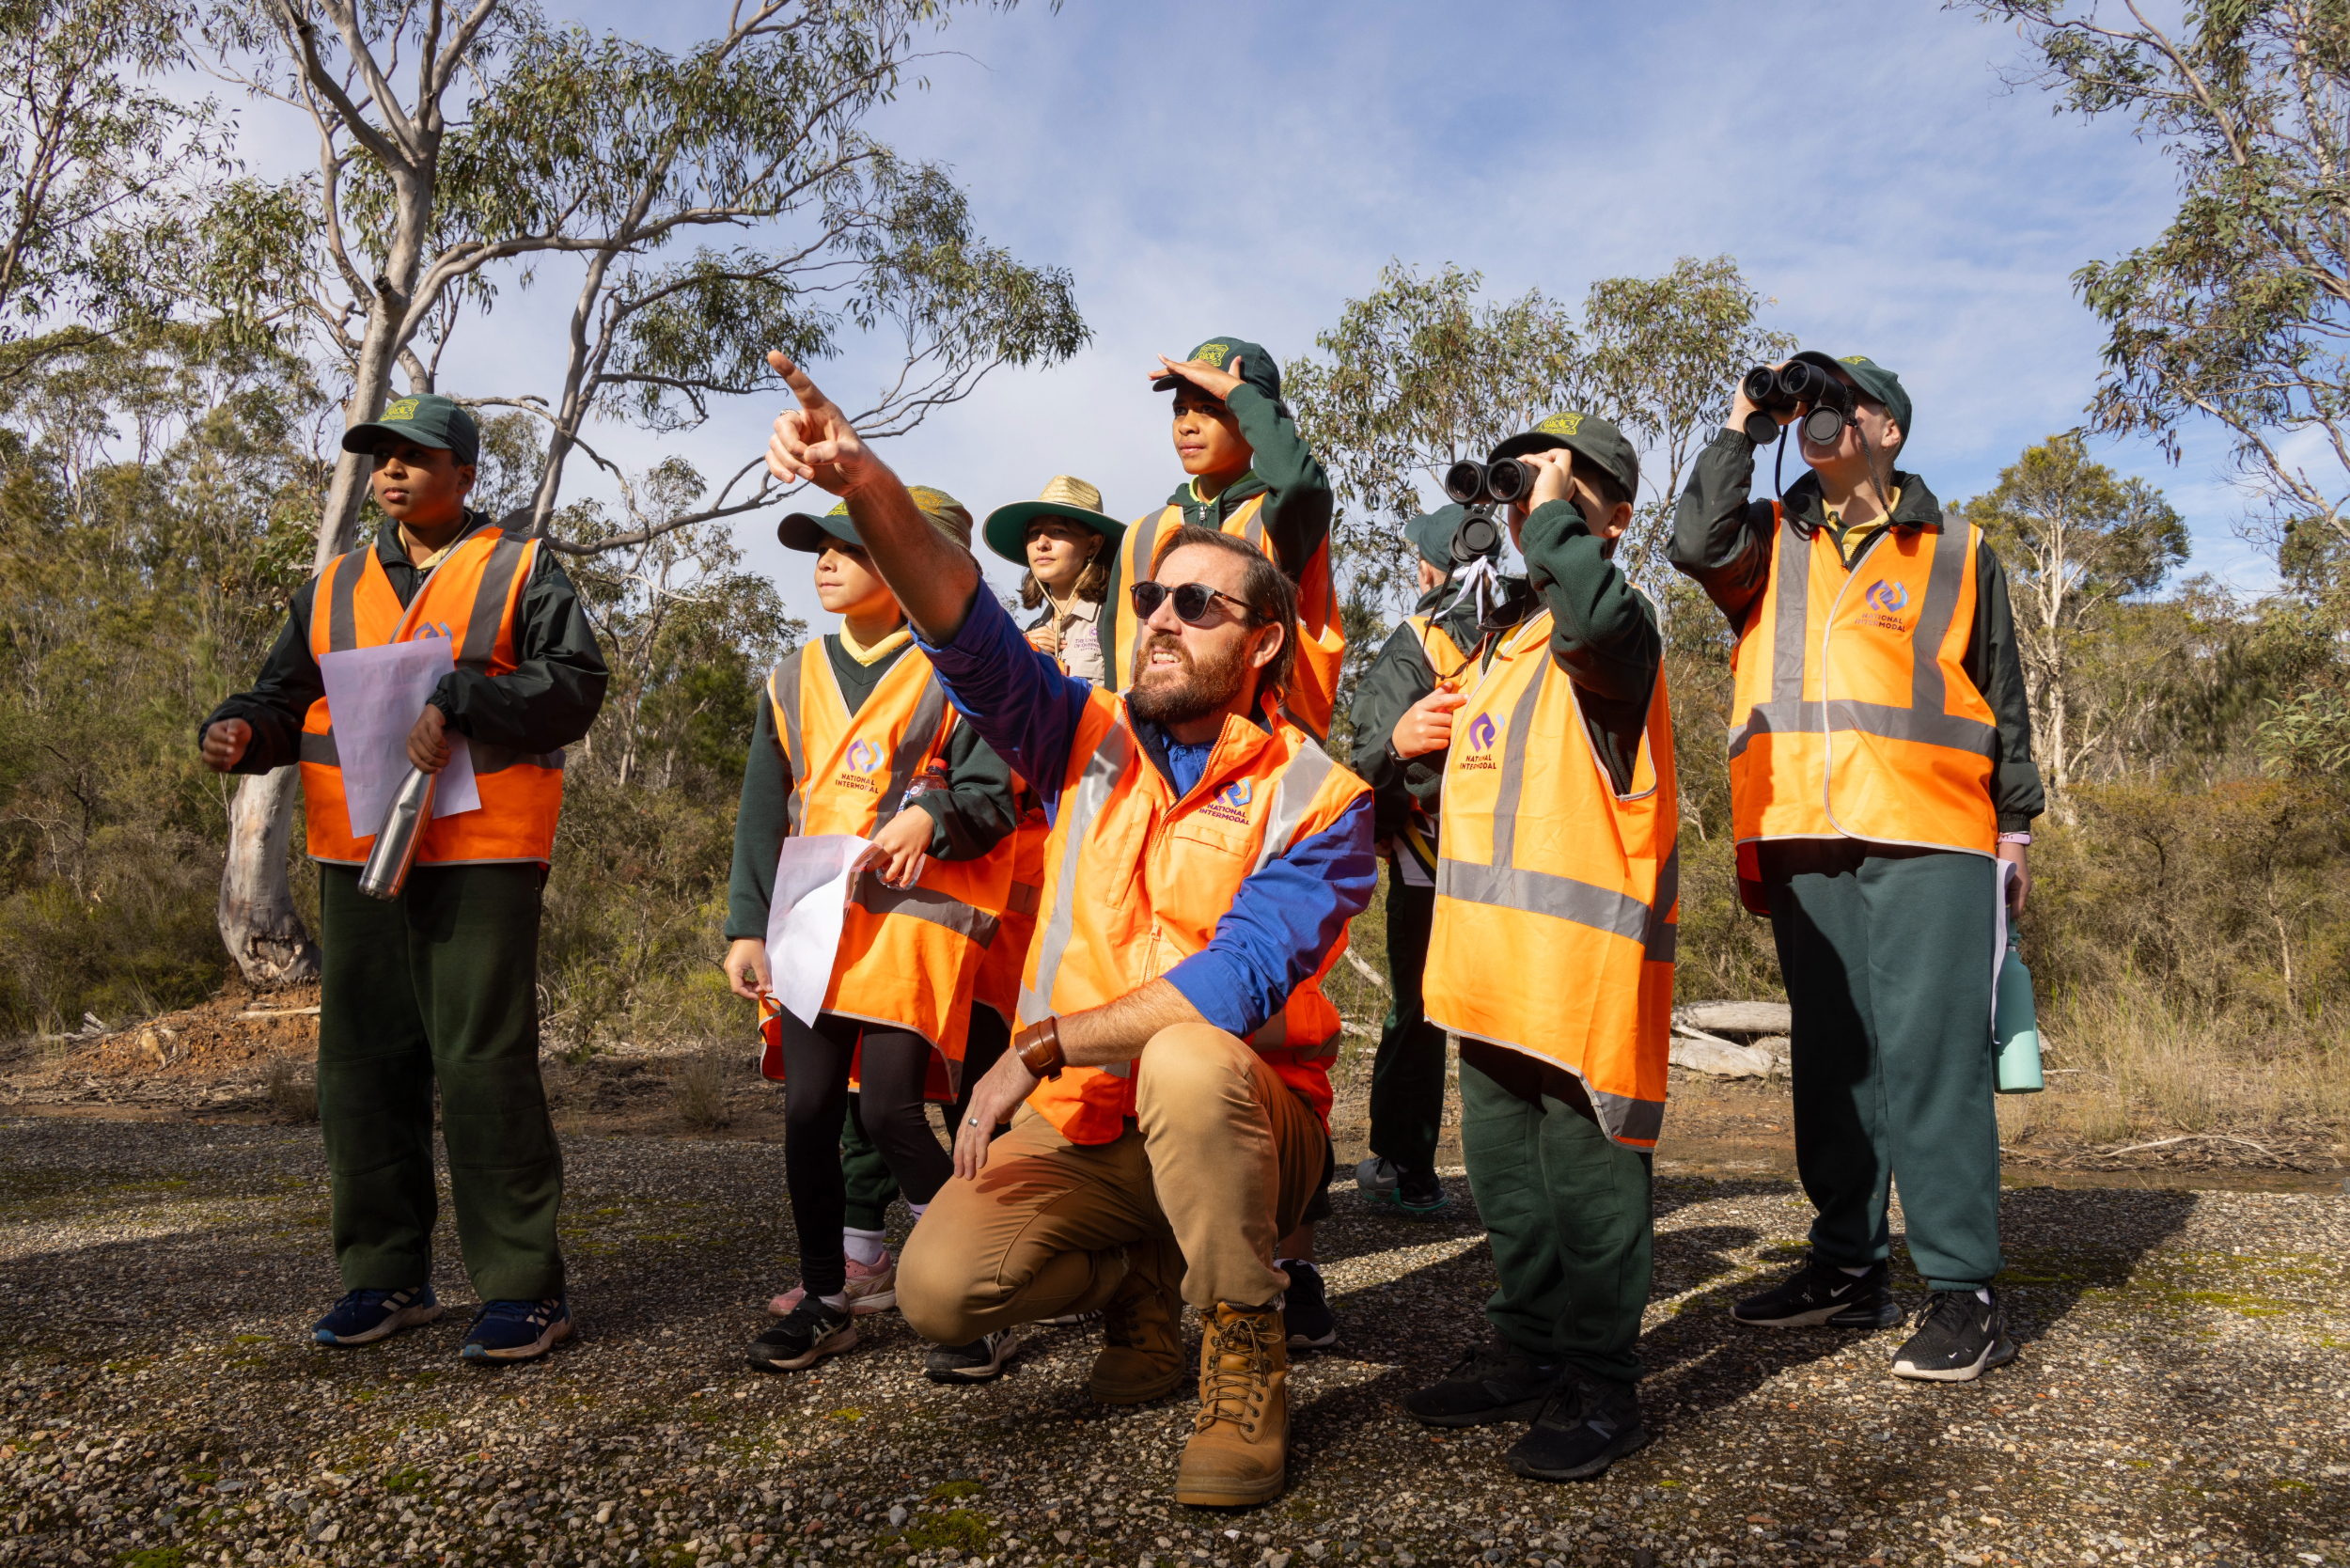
x=1586, y=1426
x=1959, y=1338
x=1418, y=1193
x=1492, y=1382
x=1822, y=1294
x=807, y=1333
x=1306, y=1307
x=981, y=1362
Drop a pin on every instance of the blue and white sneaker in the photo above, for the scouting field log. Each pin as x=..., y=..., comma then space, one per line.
x=363, y=1317
x=517, y=1330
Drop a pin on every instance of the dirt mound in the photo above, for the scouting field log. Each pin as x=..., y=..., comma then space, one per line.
x=235, y=1030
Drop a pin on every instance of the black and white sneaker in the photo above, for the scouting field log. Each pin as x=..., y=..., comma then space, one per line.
x=1306, y=1307
x=1822, y=1294
x=808, y=1332
x=981, y=1362
x=1492, y=1382
x=1377, y=1177
x=363, y=1317
x=1586, y=1426
x=1959, y=1338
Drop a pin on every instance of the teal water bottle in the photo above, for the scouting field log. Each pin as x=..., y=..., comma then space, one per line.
x=2014, y=1026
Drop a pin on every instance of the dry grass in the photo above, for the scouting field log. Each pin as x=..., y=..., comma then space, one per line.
x=697, y=1084
x=292, y=1089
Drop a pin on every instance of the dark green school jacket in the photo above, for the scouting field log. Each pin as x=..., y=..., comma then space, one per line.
x=1722, y=540
x=969, y=817
x=1297, y=506
x=1604, y=634
x=545, y=703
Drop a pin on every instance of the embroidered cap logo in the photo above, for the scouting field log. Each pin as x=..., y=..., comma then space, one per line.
x=1889, y=597
x=1212, y=354
x=405, y=409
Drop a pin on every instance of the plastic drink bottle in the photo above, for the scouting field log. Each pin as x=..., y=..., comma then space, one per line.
x=2014, y=1026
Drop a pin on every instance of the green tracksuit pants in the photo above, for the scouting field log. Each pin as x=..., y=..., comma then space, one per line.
x=1407, y=1074
x=1566, y=1209
x=1887, y=955
x=438, y=987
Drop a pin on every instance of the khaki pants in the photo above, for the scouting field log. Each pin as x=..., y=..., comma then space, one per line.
x=1222, y=1158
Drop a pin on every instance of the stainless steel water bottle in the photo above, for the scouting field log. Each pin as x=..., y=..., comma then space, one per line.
x=386, y=871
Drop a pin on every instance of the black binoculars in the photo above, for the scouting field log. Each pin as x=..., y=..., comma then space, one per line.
x=1476, y=535
x=1488, y=483
x=1791, y=386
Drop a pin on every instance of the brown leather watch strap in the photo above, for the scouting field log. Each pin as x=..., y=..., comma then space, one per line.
x=1038, y=1047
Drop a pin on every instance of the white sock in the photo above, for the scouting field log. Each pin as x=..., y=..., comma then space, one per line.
x=863, y=1246
x=838, y=1303
x=1855, y=1273
x=1284, y=1264
x=1983, y=1295
x=918, y=1209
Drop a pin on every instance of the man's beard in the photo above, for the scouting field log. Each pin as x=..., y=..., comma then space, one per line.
x=1200, y=691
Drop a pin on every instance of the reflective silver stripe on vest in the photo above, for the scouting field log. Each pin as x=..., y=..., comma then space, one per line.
x=342, y=620
x=497, y=758
x=1102, y=772
x=320, y=750
x=1625, y=1118
x=913, y=746
x=784, y=678
x=1661, y=941
x=1923, y=721
x=1504, y=884
x=870, y=893
x=489, y=600
x=1292, y=792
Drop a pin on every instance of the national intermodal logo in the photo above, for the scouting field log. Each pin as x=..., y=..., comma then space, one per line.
x=1231, y=804
x=865, y=755
x=1482, y=732
x=429, y=629
x=1889, y=599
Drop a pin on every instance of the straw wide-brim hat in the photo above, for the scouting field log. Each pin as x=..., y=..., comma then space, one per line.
x=1070, y=499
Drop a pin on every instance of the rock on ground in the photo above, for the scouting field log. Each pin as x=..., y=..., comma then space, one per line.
x=2180, y=1400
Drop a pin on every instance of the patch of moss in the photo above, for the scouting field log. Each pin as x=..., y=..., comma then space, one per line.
x=946, y=1491
x=408, y=1478
x=154, y=1556
x=849, y=1413
x=959, y=1528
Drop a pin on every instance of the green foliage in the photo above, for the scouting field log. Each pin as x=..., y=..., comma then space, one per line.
x=959, y=1528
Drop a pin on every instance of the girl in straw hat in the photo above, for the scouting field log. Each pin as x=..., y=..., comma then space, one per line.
x=1067, y=543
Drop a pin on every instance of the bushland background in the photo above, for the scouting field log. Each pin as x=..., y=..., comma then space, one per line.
x=171, y=474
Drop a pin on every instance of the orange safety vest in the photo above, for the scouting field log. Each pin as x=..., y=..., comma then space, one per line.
x=1313, y=685
x=1557, y=900
x=473, y=598
x=1135, y=880
x=1851, y=715
x=998, y=985
x=908, y=956
x=1446, y=662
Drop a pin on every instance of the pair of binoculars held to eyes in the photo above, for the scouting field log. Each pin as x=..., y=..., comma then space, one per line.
x=1488, y=483
x=1796, y=386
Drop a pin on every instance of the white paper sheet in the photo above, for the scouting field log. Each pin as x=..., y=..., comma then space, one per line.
x=803, y=918
x=375, y=695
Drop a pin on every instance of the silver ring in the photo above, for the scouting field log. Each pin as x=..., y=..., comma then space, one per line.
x=975, y=1122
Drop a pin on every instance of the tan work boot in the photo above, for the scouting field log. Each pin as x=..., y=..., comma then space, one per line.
x=1144, y=1326
x=1239, y=1448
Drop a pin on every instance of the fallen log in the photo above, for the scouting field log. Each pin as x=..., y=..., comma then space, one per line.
x=1736, y=1017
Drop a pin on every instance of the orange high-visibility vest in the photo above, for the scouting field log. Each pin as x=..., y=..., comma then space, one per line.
x=1135, y=880
x=1446, y=662
x=1557, y=900
x=1313, y=685
x=1007, y=958
x=473, y=598
x=908, y=956
x=1851, y=715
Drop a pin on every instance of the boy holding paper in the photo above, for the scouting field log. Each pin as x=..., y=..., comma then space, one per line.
x=440, y=983
x=856, y=738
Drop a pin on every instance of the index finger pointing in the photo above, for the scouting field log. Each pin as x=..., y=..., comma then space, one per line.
x=811, y=397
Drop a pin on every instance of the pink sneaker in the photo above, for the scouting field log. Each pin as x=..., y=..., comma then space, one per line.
x=872, y=1288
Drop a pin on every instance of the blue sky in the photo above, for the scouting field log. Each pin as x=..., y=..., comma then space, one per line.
x=1214, y=167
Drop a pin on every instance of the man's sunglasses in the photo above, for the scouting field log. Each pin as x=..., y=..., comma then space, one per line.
x=1191, y=602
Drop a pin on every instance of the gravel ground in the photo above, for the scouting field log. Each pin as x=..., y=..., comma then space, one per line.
x=2180, y=1400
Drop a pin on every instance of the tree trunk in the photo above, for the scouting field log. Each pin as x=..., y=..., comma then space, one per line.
x=256, y=914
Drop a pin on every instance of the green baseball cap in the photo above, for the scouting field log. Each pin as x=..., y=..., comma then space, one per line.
x=1258, y=367
x=1871, y=380
x=1066, y=498
x=1587, y=435
x=426, y=418
x=806, y=532
x=1432, y=533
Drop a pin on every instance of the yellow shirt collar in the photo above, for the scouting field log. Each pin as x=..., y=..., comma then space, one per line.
x=888, y=645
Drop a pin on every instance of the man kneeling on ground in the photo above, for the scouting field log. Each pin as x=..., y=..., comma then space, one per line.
x=1203, y=860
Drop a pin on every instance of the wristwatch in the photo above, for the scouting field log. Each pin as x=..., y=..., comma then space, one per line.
x=1038, y=1047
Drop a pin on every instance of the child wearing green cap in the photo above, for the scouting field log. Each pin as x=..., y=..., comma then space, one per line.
x=1882, y=791
x=439, y=986
x=900, y=1002
x=1556, y=1149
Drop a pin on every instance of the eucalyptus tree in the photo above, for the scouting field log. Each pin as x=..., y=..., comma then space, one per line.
x=562, y=145
x=2078, y=539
